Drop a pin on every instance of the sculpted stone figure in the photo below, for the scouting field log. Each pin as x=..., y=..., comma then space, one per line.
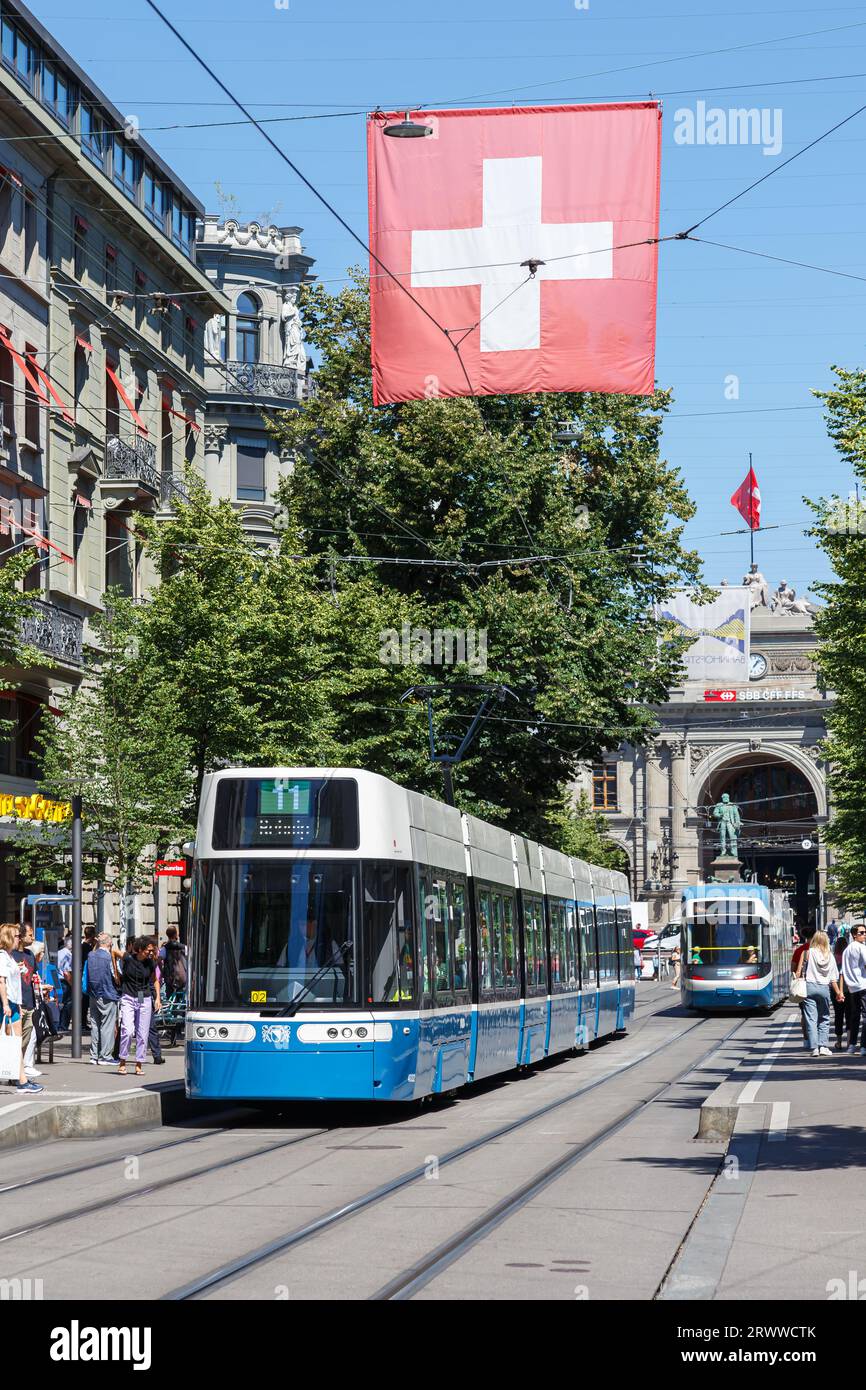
x=758, y=588
x=785, y=601
x=294, y=352
x=212, y=332
x=728, y=816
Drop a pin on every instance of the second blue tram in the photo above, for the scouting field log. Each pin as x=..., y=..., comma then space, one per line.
x=354, y=940
x=735, y=946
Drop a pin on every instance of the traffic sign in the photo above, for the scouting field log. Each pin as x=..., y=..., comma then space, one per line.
x=169, y=868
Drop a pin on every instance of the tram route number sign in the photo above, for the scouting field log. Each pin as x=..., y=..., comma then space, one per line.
x=169, y=868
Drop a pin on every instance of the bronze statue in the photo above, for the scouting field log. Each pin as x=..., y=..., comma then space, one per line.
x=726, y=813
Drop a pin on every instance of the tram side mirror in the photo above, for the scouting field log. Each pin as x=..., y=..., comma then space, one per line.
x=188, y=848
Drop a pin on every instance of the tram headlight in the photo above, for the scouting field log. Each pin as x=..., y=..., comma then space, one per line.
x=200, y=1032
x=347, y=1032
x=332, y=1033
x=224, y=1032
x=362, y=1032
x=211, y=1032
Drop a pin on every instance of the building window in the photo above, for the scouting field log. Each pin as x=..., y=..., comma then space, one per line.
x=7, y=388
x=18, y=53
x=121, y=559
x=247, y=328
x=251, y=473
x=31, y=405
x=55, y=91
x=110, y=269
x=79, y=247
x=93, y=138
x=81, y=509
x=7, y=193
x=604, y=787
x=81, y=368
x=167, y=456
x=126, y=169
x=30, y=228
x=112, y=403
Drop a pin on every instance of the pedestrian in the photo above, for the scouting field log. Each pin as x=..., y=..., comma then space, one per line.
x=27, y=961
x=136, y=1002
x=840, y=1006
x=10, y=997
x=103, y=996
x=64, y=973
x=854, y=978
x=677, y=960
x=153, y=1040
x=821, y=973
x=174, y=963
x=87, y=945
x=637, y=962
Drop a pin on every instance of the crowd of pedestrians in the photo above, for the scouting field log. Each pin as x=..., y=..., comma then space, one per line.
x=834, y=974
x=122, y=993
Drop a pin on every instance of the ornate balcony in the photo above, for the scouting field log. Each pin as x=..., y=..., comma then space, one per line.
x=132, y=458
x=260, y=379
x=53, y=630
x=172, y=488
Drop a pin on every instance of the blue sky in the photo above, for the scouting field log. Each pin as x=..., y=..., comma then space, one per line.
x=722, y=313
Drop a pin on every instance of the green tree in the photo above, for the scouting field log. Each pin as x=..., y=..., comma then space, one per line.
x=841, y=629
x=582, y=832
x=115, y=744
x=470, y=513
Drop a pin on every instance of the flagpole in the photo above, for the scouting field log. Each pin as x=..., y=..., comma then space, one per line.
x=751, y=528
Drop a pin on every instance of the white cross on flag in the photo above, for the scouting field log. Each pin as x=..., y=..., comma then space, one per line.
x=455, y=217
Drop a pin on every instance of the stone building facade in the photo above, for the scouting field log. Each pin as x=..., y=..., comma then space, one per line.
x=102, y=385
x=762, y=747
x=256, y=362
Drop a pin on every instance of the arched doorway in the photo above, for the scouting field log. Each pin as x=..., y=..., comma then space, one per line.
x=779, y=838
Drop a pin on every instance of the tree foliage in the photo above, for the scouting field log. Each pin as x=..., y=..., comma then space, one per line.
x=470, y=514
x=841, y=629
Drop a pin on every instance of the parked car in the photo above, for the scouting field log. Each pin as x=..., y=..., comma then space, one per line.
x=666, y=940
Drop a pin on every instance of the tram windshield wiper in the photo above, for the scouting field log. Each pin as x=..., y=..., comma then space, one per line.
x=338, y=955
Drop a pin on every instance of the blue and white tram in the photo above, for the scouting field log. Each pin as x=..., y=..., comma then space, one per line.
x=352, y=940
x=736, y=946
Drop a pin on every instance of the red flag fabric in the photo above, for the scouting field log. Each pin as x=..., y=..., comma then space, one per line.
x=747, y=500
x=521, y=250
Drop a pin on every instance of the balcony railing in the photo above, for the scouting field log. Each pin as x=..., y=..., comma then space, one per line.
x=261, y=379
x=53, y=630
x=136, y=458
x=172, y=488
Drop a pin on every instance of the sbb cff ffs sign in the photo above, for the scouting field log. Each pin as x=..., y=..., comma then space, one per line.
x=724, y=695
x=170, y=868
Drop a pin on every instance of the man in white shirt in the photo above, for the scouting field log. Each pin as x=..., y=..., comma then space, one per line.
x=854, y=976
x=64, y=972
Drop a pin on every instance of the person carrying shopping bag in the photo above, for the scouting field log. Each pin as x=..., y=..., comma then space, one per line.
x=821, y=973
x=10, y=999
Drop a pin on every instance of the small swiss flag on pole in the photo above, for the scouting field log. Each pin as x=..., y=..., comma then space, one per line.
x=747, y=499
x=514, y=250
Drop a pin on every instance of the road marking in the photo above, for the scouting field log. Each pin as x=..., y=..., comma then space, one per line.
x=750, y=1090
x=779, y=1116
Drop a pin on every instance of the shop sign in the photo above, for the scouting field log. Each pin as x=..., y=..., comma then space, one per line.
x=170, y=868
x=34, y=807
x=752, y=695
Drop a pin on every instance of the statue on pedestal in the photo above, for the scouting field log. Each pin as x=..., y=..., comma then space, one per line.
x=785, y=601
x=728, y=816
x=294, y=352
x=759, y=594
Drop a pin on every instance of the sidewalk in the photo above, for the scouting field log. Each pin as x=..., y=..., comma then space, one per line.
x=786, y=1217
x=82, y=1099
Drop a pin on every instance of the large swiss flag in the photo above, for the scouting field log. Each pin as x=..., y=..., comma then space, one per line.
x=454, y=215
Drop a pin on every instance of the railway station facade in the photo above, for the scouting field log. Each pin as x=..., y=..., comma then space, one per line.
x=761, y=745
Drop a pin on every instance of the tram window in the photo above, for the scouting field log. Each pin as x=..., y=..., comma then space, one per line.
x=459, y=936
x=609, y=962
x=388, y=947
x=442, y=973
x=498, y=950
x=504, y=973
x=571, y=947
x=588, y=972
x=425, y=905
x=558, y=945
x=535, y=948
x=485, y=938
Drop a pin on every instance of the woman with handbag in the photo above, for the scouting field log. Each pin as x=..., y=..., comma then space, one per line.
x=818, y=968
x=10, y=999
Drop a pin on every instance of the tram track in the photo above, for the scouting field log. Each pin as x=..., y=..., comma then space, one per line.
x=240, y=1265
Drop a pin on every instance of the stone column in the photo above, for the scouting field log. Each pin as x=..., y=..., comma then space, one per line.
x=215, y=437
x=679, y=791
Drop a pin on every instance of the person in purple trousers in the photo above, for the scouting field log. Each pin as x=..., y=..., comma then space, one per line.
x=137, y=973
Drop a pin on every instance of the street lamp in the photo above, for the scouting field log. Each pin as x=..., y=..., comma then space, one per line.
x=407, y=129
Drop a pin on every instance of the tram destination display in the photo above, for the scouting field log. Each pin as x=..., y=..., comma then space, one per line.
x=286, y=813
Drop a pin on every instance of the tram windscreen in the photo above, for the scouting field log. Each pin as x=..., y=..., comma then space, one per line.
x=264, y=928
x=286, y=813
x=724, y=932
